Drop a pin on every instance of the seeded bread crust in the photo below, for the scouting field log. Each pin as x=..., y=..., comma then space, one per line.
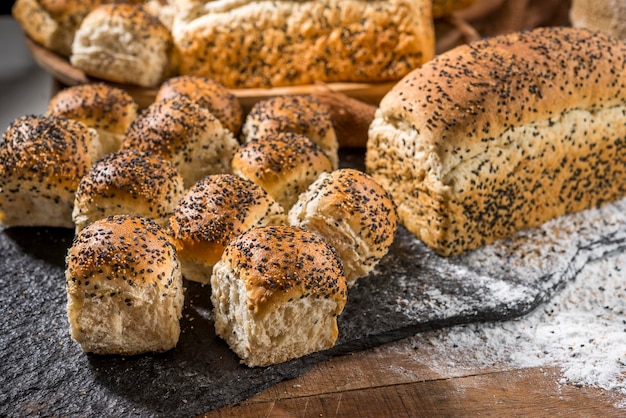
x=503, y=134
x=280, y=43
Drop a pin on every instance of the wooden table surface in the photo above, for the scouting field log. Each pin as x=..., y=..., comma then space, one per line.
x=396, y=380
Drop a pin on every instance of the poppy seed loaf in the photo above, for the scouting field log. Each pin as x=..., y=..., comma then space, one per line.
x=503, y=134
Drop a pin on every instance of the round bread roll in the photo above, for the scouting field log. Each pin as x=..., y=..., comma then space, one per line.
x=185, y=133
x=42, y=159
x=209, y=94
x=124, y=287
x=353, y=213
x=128, y=182
x=212, y=213
x=125, y=44
x=300, y=114
x=283, y=164
x=276, y=293
x=53, y=23
x=107, y=109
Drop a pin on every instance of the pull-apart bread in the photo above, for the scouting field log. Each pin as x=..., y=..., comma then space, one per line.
x=503, y=134
x=247, y=44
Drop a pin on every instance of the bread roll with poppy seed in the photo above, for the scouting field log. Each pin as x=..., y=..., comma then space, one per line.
x=188, y=135
x=299, y=114
x=124, y=287
x=42, y=160
x=276, y=294
x=286, y=43
x=107, y=109
x=503, y=134
x=128, y=182
x=212, y=213
x=353, y=214
x=125, y=44
x=53, y=23
x=209, y=94
x=283, y=164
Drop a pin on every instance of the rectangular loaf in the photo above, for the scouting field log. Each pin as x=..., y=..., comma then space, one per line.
x=262, y=43
x=503, y=134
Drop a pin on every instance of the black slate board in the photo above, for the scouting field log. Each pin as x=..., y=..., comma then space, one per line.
x=43, y=372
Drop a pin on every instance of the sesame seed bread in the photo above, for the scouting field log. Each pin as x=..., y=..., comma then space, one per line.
x=284, y=43
x=503, y=134
x=209, y=94
x=107, y=109
x=188, y=135
x=53, y=23
x=124, y=287
x=284, y=164
x=300, y=114
x=353, y=214
x=128, y=182
x=212, y=213
x=125, y=44
x=42, y=159
x=276, y=293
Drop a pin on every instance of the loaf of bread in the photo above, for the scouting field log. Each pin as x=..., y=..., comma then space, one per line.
x=503, y=134
x=107, y=109
x=247, y=44
x=42, y=159
x=125, y=44
x=124, y=287
x=276, y=294
x=299, y=114
x=353, y=214
x=188, y=135
x=128, y=182
x=53, y=23
x=283, y=164
x=212, y=213
x=214, y=97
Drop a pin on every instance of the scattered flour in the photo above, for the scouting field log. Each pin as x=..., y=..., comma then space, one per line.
x=582, y=330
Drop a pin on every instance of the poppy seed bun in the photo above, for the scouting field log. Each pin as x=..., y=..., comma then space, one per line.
x=124, y=287
x=125, y=44
x=283, y=164
x=42, y=160
x=107, y=109
x=209, y=94
x=299, y=114
x=53, y=23
x=128, y=182
x=251, y=44
x=503, y=134
x=211, y=214
x=353, y=214
x=188, y=135
x=276, y=293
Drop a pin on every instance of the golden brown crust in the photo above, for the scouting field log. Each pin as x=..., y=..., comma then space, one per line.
x=283, y=164
x=98, y=105
x=216, y=210
x=299, y=114
x=209, y=94
x=281, y=263
x=129, y=182
x=503, y=134
x=278, y=43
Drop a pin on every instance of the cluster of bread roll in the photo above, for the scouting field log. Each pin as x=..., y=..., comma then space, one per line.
x=253, y=205
x=239, y=43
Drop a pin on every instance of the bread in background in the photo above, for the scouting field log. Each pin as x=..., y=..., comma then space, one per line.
x=604, y=15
